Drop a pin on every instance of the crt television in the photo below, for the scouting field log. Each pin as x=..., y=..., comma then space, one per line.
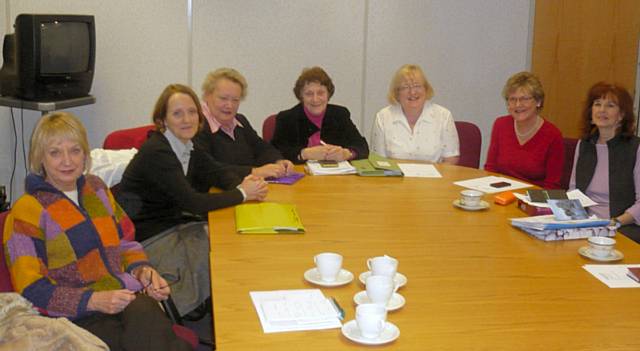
x=49, y=57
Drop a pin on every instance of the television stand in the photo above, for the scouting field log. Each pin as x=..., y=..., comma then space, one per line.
x=46, y=106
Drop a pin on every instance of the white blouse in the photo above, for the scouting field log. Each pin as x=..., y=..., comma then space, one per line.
x=433, y=138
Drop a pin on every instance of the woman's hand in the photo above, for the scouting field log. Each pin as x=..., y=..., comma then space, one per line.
x=274, y=170
x=110, y=302
x=337, y=153
x=154, y=284
x=288, y=166
x=255, y=188
x=314, y=153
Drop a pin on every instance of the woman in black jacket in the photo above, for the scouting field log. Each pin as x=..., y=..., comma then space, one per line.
x=315, y=129
x=165, y=191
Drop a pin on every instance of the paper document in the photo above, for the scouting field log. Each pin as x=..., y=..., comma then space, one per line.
x=613, y=275
x=419, y=170
x=492, y=184
x=573, y=194
x=292, y=310
x=329, y=168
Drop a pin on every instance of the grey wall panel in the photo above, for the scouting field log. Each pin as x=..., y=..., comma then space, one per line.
x=270, y=42
x=467, y=49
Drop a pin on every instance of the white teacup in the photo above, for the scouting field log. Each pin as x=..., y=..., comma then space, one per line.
x=371, y=319
x=380, y=288
x=383, y=265
x=470, y=197
x=328, y=265
x=601, y=246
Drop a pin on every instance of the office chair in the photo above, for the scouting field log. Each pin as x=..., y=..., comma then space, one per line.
x=127, y=138
x=268, y=128
x=569, y=152
x=470, y=139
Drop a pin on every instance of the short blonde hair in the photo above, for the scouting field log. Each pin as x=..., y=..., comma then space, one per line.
x=52, y=127
x=404, y=72
x=526, y=81
x=159, y=114
x=212, y=78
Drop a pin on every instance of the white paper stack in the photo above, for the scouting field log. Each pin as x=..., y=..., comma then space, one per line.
x=293, y=310
x=317, y=168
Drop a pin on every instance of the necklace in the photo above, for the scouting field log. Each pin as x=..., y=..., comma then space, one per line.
x=527, y=133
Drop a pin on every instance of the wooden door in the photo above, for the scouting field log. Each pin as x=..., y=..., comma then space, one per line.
x=577, y=43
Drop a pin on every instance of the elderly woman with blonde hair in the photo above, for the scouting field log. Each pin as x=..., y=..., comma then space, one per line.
x=523, y=144
x=413, y=127
x=71, y=250
x=230, y=138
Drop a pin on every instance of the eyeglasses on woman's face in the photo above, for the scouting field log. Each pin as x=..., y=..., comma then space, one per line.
x=514, y=100
x=409, y=87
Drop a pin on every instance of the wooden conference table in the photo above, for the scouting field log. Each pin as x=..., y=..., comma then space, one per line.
x=474, y=282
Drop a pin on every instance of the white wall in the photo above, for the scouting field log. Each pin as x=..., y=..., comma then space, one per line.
x=467, y=48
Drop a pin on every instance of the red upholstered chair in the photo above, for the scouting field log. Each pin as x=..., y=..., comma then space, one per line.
x=182, y=332
x=569, y=152
x=470, y=143
x=268, y=128
x=127, y=138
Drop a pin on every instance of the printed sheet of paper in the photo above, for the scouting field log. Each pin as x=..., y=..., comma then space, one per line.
x=613, y=275
x=419, y=170
x=293, y=310
x=484, y=184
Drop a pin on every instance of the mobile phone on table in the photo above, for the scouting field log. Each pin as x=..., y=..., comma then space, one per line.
x=500, y=184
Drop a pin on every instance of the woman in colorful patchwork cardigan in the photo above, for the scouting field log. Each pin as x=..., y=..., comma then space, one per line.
x=70, y=247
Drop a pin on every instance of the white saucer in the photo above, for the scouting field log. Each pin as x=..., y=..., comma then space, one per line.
x=313, y=276
x=483, y=205
x=400, y=279
x=615, y=255
x=351, y=331
x=396, y=302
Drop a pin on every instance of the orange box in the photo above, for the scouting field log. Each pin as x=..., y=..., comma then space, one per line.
x=504, y=198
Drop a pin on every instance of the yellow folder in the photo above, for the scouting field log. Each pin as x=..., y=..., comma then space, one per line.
x=268, y=218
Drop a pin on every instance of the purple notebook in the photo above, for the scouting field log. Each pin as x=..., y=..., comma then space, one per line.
x=288, y=180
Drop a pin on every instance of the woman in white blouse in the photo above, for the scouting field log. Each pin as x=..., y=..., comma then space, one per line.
x=413, y=127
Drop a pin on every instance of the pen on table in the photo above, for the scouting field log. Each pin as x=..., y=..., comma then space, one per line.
x=338, y=308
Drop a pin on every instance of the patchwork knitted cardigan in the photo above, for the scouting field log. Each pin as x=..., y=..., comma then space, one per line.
x=59, y=253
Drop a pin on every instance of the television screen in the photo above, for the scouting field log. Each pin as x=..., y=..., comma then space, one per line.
x=64, y=47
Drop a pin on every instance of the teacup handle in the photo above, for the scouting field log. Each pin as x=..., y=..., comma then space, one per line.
x=369, y=263
x=381, y=325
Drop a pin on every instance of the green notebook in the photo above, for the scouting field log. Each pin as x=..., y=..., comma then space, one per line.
x=377, y=166
x=268, y=218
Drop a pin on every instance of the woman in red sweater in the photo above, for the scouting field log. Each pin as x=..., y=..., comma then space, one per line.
x=523, y=144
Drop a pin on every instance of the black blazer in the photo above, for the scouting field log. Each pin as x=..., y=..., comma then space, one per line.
x=248, y=150
x=293, y=130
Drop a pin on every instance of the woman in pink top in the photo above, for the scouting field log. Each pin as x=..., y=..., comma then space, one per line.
x=606, y=163
x=523, y=144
